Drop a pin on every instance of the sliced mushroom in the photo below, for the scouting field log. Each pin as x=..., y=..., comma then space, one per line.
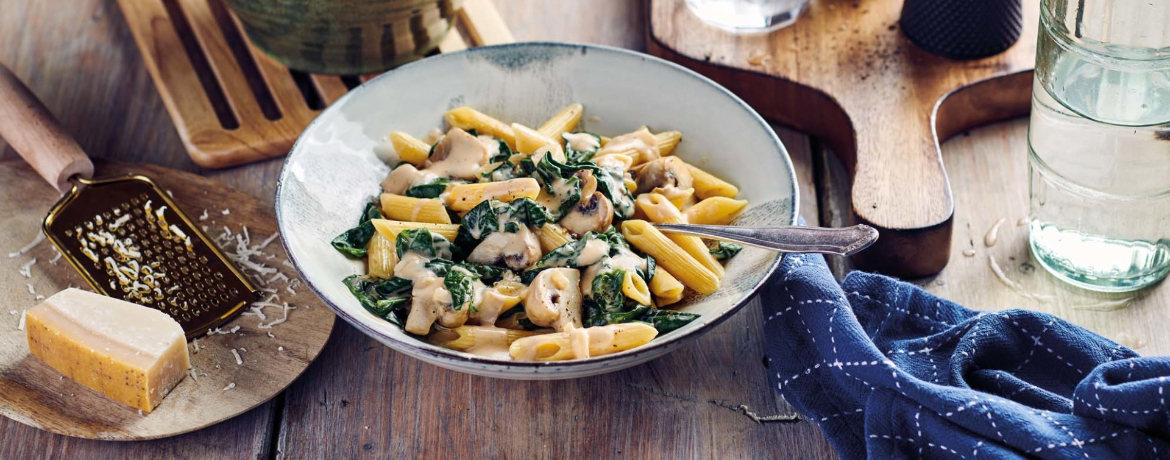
x=404, y=177
x=663, y=172
x=458, y=155
x=554, y=299
x=593, y=212
x=517, y=250
x=640, y=145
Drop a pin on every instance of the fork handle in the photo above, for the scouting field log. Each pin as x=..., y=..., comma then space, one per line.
x=840, y=241
x=37, y=136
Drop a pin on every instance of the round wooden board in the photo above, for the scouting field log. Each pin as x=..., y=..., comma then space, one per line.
x=34, y=394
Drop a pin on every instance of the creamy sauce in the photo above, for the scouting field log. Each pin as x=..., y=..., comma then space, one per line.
x=593, y=251
x=427, y=293
x=490, y=143
x=614, y=161
x=582, y=142
x=641, y=142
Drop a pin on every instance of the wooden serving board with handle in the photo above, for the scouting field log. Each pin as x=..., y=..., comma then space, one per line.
x=230, y=102
x=845, y=73
x=34, y=394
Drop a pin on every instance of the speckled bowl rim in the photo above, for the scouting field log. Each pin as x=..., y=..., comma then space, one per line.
x=670, y=341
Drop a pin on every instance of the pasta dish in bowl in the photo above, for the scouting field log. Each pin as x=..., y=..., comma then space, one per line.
x=510, y=243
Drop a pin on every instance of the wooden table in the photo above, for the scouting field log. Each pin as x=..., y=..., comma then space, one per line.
x=362, y=400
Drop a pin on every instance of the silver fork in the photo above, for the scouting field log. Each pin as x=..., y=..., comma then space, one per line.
x=840, y=241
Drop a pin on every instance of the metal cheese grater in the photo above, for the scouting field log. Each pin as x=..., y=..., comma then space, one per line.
x=124, y=235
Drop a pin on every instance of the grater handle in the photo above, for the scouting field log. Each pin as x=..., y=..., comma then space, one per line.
x=36, y=135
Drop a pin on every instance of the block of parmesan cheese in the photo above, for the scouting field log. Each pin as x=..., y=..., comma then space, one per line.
x=126, y=352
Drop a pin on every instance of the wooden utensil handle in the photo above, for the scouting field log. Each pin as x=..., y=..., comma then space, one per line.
x=37, y=136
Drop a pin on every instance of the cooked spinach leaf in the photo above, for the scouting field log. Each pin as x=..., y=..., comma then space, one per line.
x=568, y=254
x=579, y=156
x=560, y=181
x=485, y=218
x=667, y=320
x=431, y=190
x=606, y=298
x=425, y=243
x=379, y=296
x=460, y=284
x=723, y=250
x=648, y=273
x=528, y=211
x=504, y=155
x=355, y=241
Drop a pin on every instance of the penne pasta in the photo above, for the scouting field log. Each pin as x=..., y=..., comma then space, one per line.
x=707, y=186
x=661, y=210
x=410, y=149
x=666, y=288
x=528, y=141
x=602, y=340
x=464, y=338
x=716, y=210
x=463, y=197
x=553, y=236
x=640, y=234
x=667, y=141
x=382, y=257
x=466, y=118
x=634, y=287
x=408, y=209
x=563, y=122
x=391, y=228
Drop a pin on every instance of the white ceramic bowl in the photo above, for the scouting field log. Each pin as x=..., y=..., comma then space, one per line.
x=334, y=168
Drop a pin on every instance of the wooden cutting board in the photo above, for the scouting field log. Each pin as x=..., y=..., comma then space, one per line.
x=845, y=73
x=230, y=102
x=34, y=394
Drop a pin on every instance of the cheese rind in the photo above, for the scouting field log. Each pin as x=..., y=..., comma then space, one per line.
x=126, y=352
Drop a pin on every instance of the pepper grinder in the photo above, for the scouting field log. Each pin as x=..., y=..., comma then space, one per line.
x=962, y=29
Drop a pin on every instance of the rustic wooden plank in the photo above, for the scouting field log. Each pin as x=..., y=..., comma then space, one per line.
x=330, y=87
x=219, y=56
x=83, y=63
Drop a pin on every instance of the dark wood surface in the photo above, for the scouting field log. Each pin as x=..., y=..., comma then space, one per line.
x=362, y=400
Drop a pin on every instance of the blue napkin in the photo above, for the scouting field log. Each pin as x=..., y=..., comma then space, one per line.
x=890, y=371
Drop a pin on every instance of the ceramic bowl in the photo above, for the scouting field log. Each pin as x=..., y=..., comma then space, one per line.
x=336, y=167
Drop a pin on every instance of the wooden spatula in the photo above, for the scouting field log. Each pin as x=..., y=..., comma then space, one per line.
x=124, y=235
